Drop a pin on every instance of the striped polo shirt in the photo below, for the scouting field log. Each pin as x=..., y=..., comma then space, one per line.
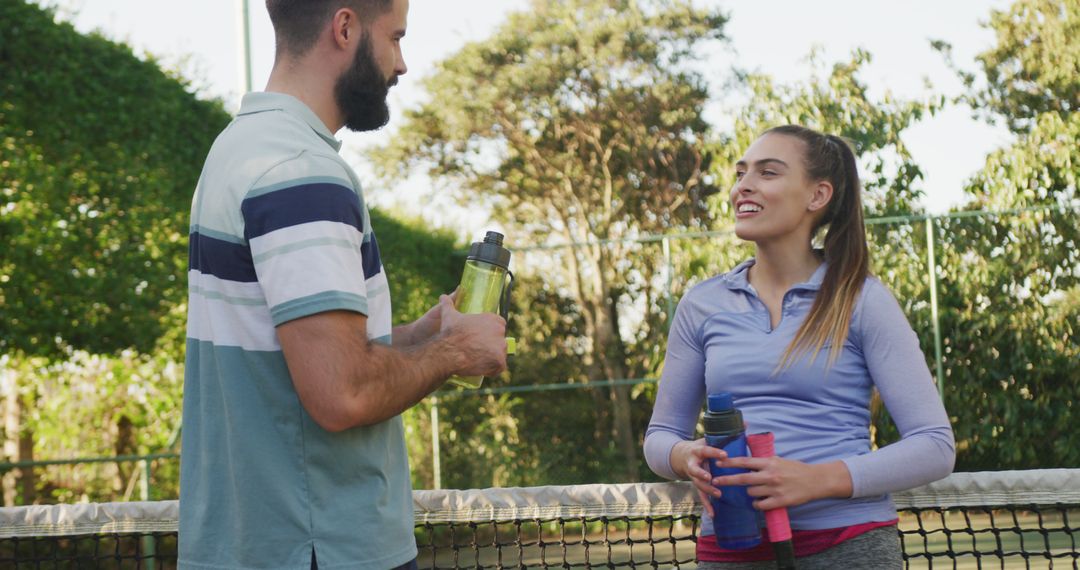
x=280, y=231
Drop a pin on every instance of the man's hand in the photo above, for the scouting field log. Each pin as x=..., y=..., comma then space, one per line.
x=480, y=338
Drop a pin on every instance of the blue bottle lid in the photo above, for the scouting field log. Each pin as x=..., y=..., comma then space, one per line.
x=721, y=402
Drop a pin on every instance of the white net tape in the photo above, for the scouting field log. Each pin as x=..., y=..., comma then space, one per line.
x=991, y=488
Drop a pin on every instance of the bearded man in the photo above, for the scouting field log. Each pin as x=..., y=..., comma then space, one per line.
x=293, y=448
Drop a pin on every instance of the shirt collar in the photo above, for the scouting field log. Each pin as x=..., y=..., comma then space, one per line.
x=738, y=278
x=262, y=101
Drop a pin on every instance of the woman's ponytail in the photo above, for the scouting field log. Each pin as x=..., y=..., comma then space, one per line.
x=828, y=157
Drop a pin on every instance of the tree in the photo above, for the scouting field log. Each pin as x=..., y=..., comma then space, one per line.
x=584, y=125
x=1033, y=68
x=1010, y=282
x=101, y=152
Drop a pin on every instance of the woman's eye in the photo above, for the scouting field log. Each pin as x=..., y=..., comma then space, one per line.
x=739, y=174
x=768, y=173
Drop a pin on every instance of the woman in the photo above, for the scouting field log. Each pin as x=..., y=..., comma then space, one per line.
x=801, y=337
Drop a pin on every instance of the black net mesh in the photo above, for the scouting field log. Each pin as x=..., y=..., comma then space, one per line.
x=1016, y=536
x=584, y=542
x=154, y=550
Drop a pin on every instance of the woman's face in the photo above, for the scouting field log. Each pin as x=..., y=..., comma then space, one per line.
x=773, y=196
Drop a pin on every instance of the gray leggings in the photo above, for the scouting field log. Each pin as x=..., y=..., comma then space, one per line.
x=878, y=549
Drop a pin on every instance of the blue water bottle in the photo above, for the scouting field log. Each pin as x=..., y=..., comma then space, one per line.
x=736, y=521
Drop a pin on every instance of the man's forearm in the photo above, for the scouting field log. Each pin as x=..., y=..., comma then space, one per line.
x=389, y=380
x=344, y=380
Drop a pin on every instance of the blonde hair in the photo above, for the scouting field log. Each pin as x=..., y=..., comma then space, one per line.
x=829, y=157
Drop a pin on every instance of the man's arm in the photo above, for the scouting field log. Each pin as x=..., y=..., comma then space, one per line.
x=345, y=380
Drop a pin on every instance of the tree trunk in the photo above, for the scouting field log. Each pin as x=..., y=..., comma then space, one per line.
x=11, y=429
x=610, y=354
x=125, y=445
x=18, y=444
x=607, y=357
x=593, y=366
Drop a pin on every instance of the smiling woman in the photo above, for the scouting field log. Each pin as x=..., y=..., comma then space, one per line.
x=759, y=332
x=814, y=184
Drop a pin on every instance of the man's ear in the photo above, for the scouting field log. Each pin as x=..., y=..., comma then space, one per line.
x=341, y=24
x=820, y=196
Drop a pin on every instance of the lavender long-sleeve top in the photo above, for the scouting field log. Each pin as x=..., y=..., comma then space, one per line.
x=722, y=340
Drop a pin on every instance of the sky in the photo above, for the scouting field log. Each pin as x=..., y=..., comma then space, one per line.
x=201, y=39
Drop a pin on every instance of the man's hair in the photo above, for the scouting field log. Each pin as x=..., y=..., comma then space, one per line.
x=298, y=23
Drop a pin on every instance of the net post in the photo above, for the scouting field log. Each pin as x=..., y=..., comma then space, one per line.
x=669, y=276
x=931, y=269
x=149, y=546
x=436, y=474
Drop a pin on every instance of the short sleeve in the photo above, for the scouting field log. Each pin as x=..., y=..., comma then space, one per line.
x=305, y=225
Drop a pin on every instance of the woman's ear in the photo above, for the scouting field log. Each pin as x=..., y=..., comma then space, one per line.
x=820, y=195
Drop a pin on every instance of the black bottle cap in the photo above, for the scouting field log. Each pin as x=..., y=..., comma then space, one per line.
x=491, y=250
x=721, y=416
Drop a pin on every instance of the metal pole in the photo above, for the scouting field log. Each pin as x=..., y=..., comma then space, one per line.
x=149, y=548
x=435, y=467
x=932, y=269
x=244, y=38
x=670, y=270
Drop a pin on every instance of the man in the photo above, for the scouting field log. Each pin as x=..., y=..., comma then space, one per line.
x=293, y=448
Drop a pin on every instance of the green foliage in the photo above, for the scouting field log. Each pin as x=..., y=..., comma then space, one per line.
x=588, y=108
x=1035, y=67
x=100, y=153
x=421, y=264
x=1010, y=286
x=97, y=406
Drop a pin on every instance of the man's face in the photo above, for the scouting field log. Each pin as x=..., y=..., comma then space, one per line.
x=361, y=91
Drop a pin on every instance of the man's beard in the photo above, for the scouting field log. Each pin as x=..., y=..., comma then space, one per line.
x=361, y=91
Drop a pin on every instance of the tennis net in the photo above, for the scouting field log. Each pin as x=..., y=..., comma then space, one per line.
x=1006, y=519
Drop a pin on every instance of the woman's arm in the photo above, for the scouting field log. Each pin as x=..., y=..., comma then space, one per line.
x=670, y=448
x=926, y=451
x=679, y=394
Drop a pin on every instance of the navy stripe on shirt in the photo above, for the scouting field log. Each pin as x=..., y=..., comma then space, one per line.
x=222, y=259
x=372, y=261
x=301, y=204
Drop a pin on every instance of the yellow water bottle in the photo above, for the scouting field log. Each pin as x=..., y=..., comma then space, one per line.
x=485, y=288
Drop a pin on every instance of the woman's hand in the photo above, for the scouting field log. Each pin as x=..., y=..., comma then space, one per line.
x=777, y=482
x=689, y=459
